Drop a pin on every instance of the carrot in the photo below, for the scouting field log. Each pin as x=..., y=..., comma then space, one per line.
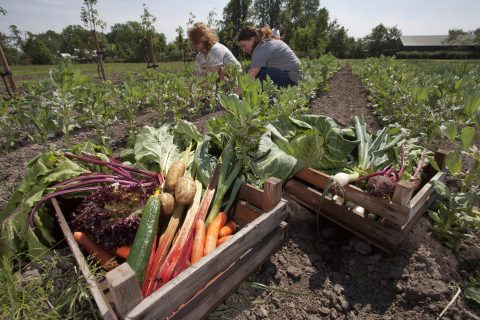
x=212, y=233
x=228, y=229
x=223, y=239
x=101, y=255
x=122, y=252
x=198, y=241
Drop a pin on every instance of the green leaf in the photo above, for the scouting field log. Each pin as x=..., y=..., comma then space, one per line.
x=473, y=293
x=453, y=161
x=188, y=132
x=433, y=163
x=441, y=188
x=155, y=148
x=476, y=118
x=449, y=130
x=472, y=103
x=434, y=216
x=468, y=137
x=36, y=248
x=231, y=103
x=204, y=162
x=271, y=161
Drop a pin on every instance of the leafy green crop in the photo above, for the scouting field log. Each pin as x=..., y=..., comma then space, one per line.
x=291, y=144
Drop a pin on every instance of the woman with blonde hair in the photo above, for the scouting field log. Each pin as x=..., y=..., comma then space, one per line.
x=270, y=56
x=212, y=55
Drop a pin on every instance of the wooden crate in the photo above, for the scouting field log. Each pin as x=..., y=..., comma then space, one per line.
x=199, y=289
x=395, y=217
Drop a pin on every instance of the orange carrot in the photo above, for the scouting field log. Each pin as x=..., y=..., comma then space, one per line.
x=101, y=255
x=212, y=233
x=122, y=252
x=228, y=229
x=223, y=239
x=198, y=241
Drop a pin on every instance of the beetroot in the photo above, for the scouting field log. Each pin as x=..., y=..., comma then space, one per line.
x=380, y=186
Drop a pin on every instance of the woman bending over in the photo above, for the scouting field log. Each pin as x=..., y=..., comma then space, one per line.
x=270, y=56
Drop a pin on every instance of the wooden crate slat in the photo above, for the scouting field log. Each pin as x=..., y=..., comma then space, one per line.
x=104, y=308
x=423, y=199
x=124, y=288
x=272, y=193
x=245, y=213
x=251, y=194
x=372, y=231
x=164, y=301
x=426, y=192
x=403, y=192
x=383, y=207
x=206, y=300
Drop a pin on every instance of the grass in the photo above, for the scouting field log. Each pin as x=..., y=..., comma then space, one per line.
x=52, y=288
x=31, y=73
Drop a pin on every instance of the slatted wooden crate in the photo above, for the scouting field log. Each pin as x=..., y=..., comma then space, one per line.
x=395, y=217
x=199, y=289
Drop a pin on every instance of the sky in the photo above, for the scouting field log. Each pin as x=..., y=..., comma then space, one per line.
x=412, y=17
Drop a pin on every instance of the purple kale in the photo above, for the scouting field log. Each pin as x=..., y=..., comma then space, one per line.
x=111, y=215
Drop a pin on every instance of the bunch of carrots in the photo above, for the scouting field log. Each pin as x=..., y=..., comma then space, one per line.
x=205, y=241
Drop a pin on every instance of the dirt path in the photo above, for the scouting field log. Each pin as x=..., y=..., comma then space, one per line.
x=345, y=98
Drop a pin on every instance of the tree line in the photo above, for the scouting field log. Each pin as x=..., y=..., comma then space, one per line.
x=304, y=24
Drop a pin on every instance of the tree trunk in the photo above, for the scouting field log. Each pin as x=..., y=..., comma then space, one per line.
x=101, y=71
x=153, y=63
x=7, y=73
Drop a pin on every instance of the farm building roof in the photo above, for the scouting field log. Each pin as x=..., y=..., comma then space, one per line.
x=439, y=40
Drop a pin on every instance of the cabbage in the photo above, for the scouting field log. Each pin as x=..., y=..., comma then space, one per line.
x=291, y=144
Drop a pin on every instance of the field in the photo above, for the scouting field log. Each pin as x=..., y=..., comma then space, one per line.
x=30, y=74
x=323, y=271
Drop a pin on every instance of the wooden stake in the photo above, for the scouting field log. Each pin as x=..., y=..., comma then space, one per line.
x=153, y=64
x=101, y=71
x=7, y=72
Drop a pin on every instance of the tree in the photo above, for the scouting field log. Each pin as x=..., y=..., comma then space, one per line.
x=306, y=32
x=127, y=39
x=383, y=40
x=40, y=53
x=476, y=33
x=74, y=37
x=89, y=16
x=236, y=15
x=149, y=34
x=268, y=12
x=51, y=40
x=17, y=37
x=338, y=40
x=465, y=37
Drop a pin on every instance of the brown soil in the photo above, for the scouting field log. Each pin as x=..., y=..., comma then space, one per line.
x=329, y=274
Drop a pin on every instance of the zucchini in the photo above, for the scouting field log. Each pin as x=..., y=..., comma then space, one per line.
x=142, y=245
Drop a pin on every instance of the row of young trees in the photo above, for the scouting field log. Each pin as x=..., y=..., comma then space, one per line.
x=304, y=24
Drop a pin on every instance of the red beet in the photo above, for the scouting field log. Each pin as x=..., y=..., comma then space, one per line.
x=380, y=186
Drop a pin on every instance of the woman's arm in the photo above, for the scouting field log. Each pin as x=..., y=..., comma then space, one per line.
x=253, y=72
